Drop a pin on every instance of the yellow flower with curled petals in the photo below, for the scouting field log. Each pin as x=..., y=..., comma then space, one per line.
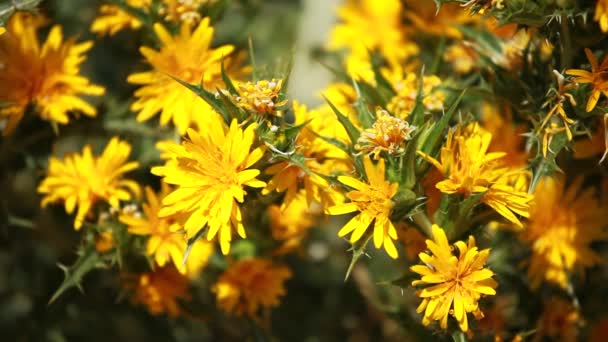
x=82, y=179
x=373, y=202
x=188, y=56
x=210, y=169
x=470, y=169
x=596, y=77
x=47, y=76
x=454, y=283
x=250, y=285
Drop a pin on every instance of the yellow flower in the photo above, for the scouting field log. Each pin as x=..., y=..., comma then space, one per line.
x=187, y=57
x=261, y=96
x=372, y=25
x=374, y=203
x=183, y=10
x=456, y=282
x=291, y=224
x=601, y=14
x=166, y=239
x=320, y=157
x=47, y=76
x=470, y=169
x=82, y=179
x=424, y=17
x=388, y=134
x=250, y=285
x=506, y=137
x=2, y=30
x=559, y=321
x=563, y=224
x=160, y=290
x=210, y=170
x=112, y=18
x=596, y=77
x=406, y=86
x=462, y=57
x=104, y=241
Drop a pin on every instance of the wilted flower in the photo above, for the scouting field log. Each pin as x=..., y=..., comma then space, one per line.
x=160, y=290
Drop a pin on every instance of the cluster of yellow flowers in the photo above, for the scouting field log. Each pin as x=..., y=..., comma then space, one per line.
x=399, y=151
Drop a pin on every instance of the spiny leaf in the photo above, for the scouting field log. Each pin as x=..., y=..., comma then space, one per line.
x=358, y=249
x=86, y=262
x=209, y=97
x=433, y=141
x=366, y=117
x=351, y=130
x=227, y=81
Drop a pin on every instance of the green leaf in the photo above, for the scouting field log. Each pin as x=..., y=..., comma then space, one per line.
x=366, y=117
x=8, y=8
x=228, y=82
x=458, y=336
x=432, y=142
x=351, y=130
x=416, y=117
x=358, y=249
x=89, y=260
x=209, y=97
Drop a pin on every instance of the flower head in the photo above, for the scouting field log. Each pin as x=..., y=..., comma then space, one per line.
x=82, y=179
x=261, y=96
x=388, y=134
x=374, y=204
x=160, y=290
x=210, y=170
x=601, y=14
x=372, y=25
x=597, y=78
x=47, y=76
x=112, y=19
x=291, y=224
x=167, y=241
x=189, y=58
x=320, y=157
x=456, y=282
x=470, y=169
x=563, y=224
x=406, y=86
x=250, y=285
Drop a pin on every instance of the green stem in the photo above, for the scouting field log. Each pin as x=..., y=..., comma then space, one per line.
x=423, y=222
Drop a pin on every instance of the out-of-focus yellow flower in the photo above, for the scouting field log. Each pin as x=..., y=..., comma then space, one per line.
x=187, y=57
x=601, y=14
x=251, y=285
x=104, y=241
x=406, y=86
x=47, y=76
x=183, y=10
x=372, y=25
x=596, y=78
x=210, y=169
x=82, y=179
x=412, y=239
x=373, y=202
x=597, y=144
x=470, y=169
x=160, y=290
x=261, y=96
x=559, y=321
x=506, y=137
x=167, y=241
x=112, y=19
x=462, y=57
x=456, y=282
x=2, y=30
x=292, y=223
x=563, y=224
x=319, y=158
x=424, y=17
x=388, y=134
